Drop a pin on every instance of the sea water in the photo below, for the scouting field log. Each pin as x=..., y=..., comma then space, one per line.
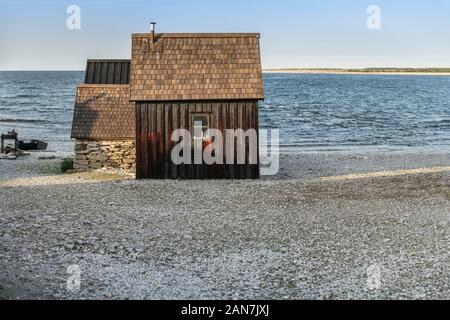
x=314, y=112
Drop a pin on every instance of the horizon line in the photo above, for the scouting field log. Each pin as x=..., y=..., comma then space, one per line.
x=263, y=69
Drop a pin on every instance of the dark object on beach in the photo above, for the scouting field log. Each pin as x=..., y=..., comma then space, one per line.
x=10, y=135
x=47, y=157
x=32, y=145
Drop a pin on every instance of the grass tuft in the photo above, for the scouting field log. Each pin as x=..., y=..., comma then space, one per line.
x=66, y=164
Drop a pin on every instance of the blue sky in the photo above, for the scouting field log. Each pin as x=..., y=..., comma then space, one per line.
x=294, y=33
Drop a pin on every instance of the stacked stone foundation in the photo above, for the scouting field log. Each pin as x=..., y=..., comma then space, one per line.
x=97, y=154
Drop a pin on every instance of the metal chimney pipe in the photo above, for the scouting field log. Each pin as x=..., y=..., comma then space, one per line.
x=152, y=30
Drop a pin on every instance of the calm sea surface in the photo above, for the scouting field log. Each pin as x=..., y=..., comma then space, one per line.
x=313, y=112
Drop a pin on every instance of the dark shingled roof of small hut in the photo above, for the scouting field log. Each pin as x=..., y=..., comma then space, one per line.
x=174, y=67
x=107, y=71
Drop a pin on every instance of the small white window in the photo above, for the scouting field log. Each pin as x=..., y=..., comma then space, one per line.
x=199, y=125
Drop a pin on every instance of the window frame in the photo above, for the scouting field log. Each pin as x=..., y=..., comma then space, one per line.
x=192, y=116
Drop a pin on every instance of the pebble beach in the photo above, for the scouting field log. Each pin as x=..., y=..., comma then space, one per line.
x=303, y=234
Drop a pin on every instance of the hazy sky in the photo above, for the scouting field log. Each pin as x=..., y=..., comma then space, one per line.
x=294, y=33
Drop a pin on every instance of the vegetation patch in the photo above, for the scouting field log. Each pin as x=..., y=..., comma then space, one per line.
x=67, y=164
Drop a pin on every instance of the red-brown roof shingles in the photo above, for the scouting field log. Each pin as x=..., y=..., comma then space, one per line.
x=103, y=112
x=195, y=66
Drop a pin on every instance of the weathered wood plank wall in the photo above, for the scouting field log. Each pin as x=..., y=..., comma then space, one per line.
x=155, y=122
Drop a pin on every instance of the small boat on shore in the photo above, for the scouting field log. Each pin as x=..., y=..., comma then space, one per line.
x=12, y=150
x=32, y=145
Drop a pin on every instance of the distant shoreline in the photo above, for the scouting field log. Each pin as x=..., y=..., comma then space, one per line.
x=418, y=72
x=371, y=71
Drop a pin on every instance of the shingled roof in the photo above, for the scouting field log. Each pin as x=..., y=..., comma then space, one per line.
x=168, y=67
x=103, y=112
x=195, y=66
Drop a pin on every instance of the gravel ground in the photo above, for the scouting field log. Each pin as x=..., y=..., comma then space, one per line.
x=274, y=239
x=314, y=165
x=29, y=166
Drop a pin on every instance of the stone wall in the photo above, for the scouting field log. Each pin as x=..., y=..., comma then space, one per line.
x=96, y=154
